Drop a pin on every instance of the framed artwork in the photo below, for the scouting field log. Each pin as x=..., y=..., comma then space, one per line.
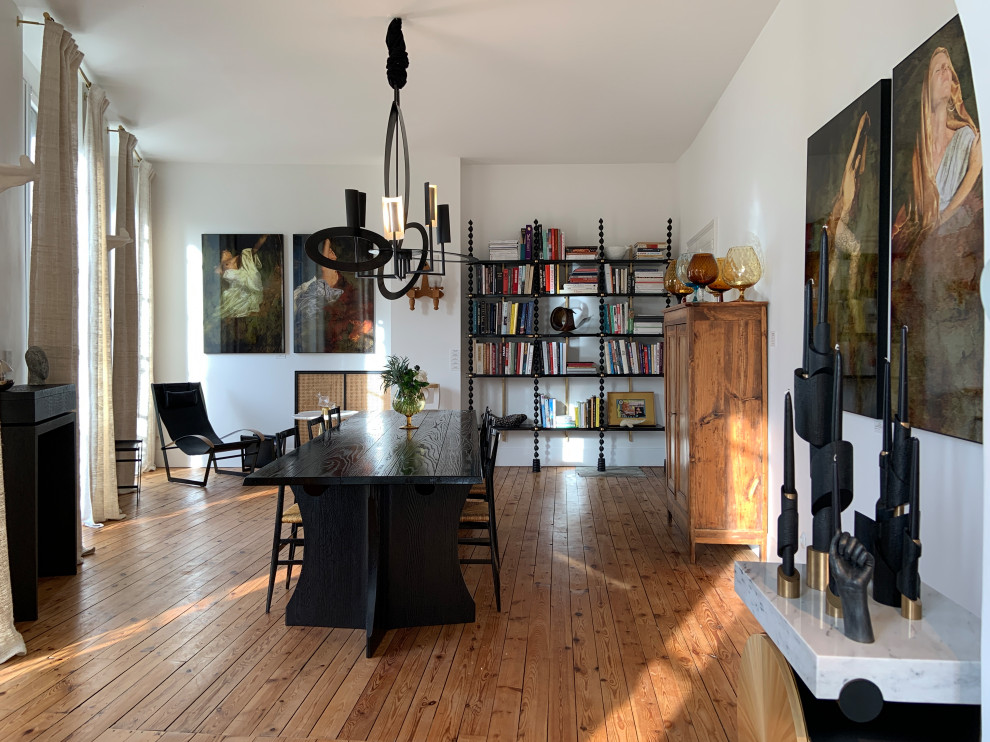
x=242, y=294
x=848, y=189
x=333, y=312
x=937, y=236
x=636, y=407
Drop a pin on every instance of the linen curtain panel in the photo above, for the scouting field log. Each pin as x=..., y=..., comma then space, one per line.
x=52, y=314
x=98, y=433
x=146, y=426
x=125, y=299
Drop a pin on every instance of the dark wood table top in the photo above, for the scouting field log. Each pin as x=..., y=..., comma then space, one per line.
x=371, y=448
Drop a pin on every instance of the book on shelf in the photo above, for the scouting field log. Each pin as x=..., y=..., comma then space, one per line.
x=649, y=250
x=503, y=250
x=632, y=357
x=616, y=280
x=553, y=244
x=503, y=357
x=578, y=288
x=581, y=367
x=647, y=324
x=617, y=319
x=581, y=253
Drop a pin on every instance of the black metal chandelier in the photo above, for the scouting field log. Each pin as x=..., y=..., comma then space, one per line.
x=385, y=256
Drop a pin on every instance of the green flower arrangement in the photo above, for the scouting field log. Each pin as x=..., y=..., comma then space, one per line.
x=409, y=382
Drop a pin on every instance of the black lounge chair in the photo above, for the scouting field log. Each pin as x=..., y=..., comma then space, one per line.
x=181, y=409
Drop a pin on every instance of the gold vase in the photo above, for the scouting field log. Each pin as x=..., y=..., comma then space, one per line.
x=408, y=404
x=742, y=269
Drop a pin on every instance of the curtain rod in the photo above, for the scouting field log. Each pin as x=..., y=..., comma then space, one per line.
x=21, y=21
x=117, y=131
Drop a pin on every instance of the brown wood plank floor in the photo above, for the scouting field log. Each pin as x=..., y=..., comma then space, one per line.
x=607, y=631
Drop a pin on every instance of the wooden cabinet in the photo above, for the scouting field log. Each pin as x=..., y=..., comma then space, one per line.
x=716, y=420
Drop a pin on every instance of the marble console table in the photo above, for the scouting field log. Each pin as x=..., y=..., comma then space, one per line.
x=935, y=660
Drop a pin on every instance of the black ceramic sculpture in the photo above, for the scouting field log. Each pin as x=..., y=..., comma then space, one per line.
x=37, y=363
x=893, y=538
x=818, y=420
x=851, y=565
x=788, y=578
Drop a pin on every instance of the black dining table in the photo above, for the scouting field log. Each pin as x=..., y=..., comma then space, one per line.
x=380, y=510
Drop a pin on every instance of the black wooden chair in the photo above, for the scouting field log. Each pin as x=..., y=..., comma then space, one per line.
x=478, y=513
x=181, y=412
x=292, y=517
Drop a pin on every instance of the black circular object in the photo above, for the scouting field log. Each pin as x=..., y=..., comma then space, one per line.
x=315, y=242
x=413, y=275
x=860, y=700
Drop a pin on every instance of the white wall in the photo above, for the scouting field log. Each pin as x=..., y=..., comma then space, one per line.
x=13, y=317
x=635, y=202
x=747, y=167
x=256, y=390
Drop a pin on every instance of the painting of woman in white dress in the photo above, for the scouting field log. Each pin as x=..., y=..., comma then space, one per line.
x=242, y=293
x=937, y=235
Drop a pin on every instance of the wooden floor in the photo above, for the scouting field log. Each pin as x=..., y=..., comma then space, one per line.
x=607, y=632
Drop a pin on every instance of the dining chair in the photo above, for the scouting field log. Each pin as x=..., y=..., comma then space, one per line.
x=478, y=513
x=283, y=516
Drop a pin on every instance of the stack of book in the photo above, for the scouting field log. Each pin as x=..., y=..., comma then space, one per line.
x=618, y=319
x=648, y=281
x=648, y=324
x=499, y=279
x=553, y=244
x=629, y=357
x=649, y=250
x=616, y=280
x=503, y=318
x=583, y=280
x=503, y=250
x=554, y=356
x=588, y=414
x=581, y=253
x=554, y=413
x=581, y=367
x=505, y=357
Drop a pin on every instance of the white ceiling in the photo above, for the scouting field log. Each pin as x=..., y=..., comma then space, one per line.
x=499, y=81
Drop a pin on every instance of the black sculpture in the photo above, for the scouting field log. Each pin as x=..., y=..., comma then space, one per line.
x=818, y=420
x=893, y=538
x=788, y=578
x=851, y=566
x=37, y=364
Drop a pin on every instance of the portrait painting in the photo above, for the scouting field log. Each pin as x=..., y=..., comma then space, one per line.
x=242, y=293
x=333, y=311
x=848, y=187
x=937, y=236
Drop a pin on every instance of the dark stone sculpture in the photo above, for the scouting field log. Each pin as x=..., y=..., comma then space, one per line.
x=37, y=363
x=851, y=565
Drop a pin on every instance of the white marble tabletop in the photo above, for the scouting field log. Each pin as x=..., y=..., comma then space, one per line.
x=935, y=660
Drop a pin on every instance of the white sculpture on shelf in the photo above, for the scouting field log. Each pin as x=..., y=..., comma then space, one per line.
x=15, y=175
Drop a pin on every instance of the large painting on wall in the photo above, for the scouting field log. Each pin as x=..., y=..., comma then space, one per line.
x=334, y=312
x=848, y=191
x=242, y=293
x=937, y=235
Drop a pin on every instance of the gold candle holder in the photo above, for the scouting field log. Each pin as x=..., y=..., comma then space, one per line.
x=911, y=609
x=817, y=569
x=788, y=587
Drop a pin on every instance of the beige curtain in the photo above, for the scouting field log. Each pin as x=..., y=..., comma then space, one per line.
x=53, y=306
x=98, y=432
x=125, y=300
x=53, y=323
x=147, y=429
x=11, y=642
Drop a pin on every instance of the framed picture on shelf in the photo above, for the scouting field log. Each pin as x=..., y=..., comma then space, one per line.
x=636, y=407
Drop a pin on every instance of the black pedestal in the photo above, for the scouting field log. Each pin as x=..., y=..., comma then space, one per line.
x=41, y=485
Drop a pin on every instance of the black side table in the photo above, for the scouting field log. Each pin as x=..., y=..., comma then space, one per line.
x=39, y=452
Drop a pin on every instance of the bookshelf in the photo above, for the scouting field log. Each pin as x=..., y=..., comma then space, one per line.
x=509, y=301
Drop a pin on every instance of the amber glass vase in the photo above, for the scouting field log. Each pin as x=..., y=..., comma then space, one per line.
x=702, y=269
x=673, y=284
x=742, y=269
x=718, y=286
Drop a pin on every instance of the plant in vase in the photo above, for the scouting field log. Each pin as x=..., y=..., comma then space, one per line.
x=408, y=383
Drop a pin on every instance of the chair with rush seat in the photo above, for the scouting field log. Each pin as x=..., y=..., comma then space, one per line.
x=478, y=513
